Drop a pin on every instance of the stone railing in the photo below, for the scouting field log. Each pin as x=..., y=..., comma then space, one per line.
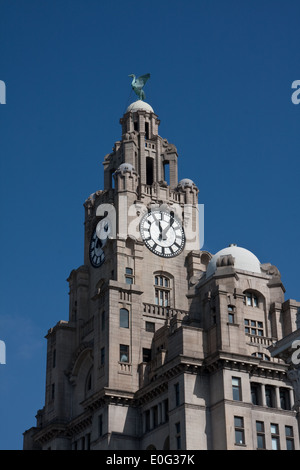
x=162, y=312
x=263, y=340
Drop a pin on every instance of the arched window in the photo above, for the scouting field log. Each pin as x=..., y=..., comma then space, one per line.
x=124, y=318
x=162, y=290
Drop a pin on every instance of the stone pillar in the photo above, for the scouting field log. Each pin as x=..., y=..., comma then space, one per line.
x=263, y=395
x=294, y=377
x=292, y=399
x=277, y=397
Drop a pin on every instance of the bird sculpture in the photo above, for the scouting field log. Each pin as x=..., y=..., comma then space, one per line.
x=138, y=84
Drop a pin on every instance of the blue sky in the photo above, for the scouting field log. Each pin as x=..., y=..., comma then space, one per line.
x=221, y=75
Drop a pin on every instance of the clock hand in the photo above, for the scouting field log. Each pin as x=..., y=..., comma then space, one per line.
x=163, y=234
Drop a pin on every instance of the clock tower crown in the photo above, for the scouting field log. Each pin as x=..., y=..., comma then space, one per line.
x=153, y=158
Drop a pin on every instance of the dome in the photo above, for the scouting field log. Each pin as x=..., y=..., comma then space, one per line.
x=235, y=256
x=139, y=104
x=186, y=182
x=125, y=167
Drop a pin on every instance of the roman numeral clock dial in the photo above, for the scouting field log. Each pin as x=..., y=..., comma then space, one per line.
x=162, y=233
x=97, y=243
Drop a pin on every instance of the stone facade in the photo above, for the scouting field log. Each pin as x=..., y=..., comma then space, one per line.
x=164, y=352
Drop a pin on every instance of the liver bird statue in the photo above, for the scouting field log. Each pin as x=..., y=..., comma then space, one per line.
x=137, y=84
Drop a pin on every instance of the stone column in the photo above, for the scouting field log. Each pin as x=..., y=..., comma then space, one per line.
x=294, y=377
x=277, y=398
x=263, y=395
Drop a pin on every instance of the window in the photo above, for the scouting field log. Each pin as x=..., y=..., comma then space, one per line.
x=88, y=441
x=251, y=299
x=269, y=397
x=146, y=355
x=289, y=438
x=253, y=327
x=239, y=430
x=255, y=389
x=177, y=394
x=162, y=291
x=124, y=318
x=236, y=389
x=150, y=326
x=147, y=130
x=129, y=276
x=124, y=353
x=275, y=437
x=178, y=435
x=165, y=410
x=231, y=311
x=155, y=416
x=260, y=433
x=102, y=321
x=284, y=399
x=149, y=171
x=102, y=356
x=52, y=391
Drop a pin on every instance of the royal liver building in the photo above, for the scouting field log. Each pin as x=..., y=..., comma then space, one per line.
x=166, y=346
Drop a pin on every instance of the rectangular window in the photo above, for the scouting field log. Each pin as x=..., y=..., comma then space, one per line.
x=260, y=433
x=52, y=391
x=88, y=441
x=124, y=318
x=177, y=394
x=178, y=435
x=230, y=317
x=129, y=276
x=239, y=430
x=102, y=321
x=236, y=389
x=155, y=416
x=165, y=410
x=124, y=353
x=284, y=399
x=289, y=437
x=150, y=326
x=146, y=355
x=269, y=397
x=255, y=392
x=102, y=356
x=275, y=437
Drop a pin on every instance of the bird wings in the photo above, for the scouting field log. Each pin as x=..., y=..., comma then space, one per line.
x=141, y=81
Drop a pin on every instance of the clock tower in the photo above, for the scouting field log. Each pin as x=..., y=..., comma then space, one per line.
x=140, y=233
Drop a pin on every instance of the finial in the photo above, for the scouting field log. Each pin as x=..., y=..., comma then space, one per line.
x=138, y=84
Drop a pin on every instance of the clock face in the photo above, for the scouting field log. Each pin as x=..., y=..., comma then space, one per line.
x=97, y=256
x=162, y=233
